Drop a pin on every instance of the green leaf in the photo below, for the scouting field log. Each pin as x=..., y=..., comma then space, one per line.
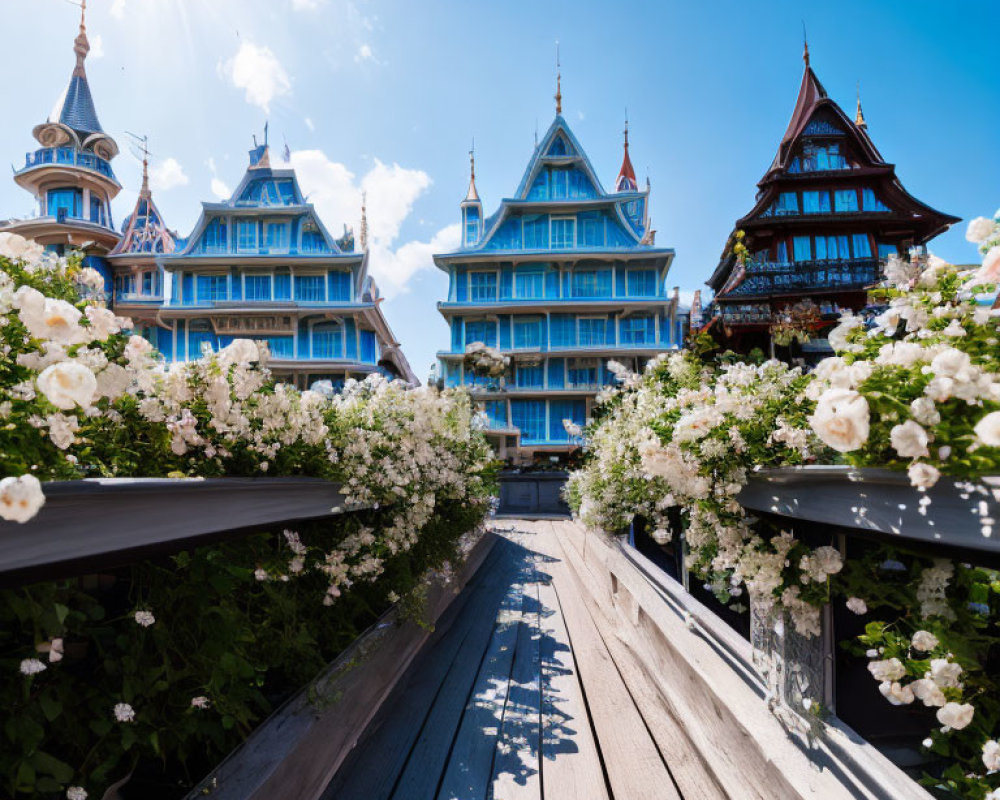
x=61, y=612
x=50, y=765
x=51, y=707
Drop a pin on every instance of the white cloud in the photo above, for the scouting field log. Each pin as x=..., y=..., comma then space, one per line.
x=365, y=53
x=118, y=9
x=392, y=191
x=310, y=124
x=305, y=5
x=257, y=71
x=96, y=48
x=167, y=175
x=220, y=190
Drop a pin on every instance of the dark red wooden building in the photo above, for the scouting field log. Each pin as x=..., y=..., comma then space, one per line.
x=829, y=212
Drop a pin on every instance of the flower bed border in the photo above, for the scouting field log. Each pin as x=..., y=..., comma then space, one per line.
x=96, y=524
x=834, y=495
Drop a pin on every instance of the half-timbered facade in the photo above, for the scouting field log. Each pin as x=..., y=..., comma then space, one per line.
x=829, y=212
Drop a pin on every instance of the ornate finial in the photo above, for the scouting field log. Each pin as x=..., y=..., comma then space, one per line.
x=805, y=45
x=472, y=159
x=859, y=117
x=626, y=129
x=80, y=45
x=140, y=148
x=558, y=81
x=472, y=196
x=364, y=220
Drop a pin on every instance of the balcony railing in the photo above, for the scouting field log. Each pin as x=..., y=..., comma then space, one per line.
x=782, y=277
x=138, y=297
x=69, y=156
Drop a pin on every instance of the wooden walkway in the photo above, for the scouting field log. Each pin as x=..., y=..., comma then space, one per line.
x=524, y=693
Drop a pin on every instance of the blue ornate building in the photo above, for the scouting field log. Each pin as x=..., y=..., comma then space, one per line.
x=70, y=174
x=561, y=279
x=261, y=265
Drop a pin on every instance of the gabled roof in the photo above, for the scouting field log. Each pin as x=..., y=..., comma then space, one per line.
x=144, y=231
x=557, y=137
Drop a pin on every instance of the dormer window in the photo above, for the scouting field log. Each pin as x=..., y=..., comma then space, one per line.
x=277, y=237
x=819, y=158
x=214, y=238
x=246, y=235
x=563, y=233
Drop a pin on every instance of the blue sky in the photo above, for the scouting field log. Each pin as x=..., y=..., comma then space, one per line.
x=386, y=97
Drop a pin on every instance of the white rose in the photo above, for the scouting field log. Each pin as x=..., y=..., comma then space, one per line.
x=891, y=669
x=137, y=348
x=952, y=363
x=945, y=673
x=909, y=440
x=841, y=419
x=928, y=692
x=989, y=272
x=113, y=381
x=103, y=323
x=240, y=351
x=895, y=693
x=838, y=336
x=955, y=716
x=980, y=229
x=857, y=605
x=991, y=755
x=17, y=248
x=47, y=318
x=20, y=498
x=924, y=640
x=923, y=476
x=68, y=384
x=988, y=429
x=954, y=329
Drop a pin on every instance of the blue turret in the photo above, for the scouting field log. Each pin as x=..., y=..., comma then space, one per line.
x=472, y=208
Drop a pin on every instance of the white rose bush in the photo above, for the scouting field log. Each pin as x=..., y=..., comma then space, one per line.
x=160, y=668
x=914, y=388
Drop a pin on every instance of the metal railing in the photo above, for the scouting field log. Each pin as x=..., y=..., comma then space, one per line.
x=69, y=156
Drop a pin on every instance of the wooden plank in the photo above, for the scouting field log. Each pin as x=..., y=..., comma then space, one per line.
x=516, y=773
x=470, y=763
x=102, y=523
x=427, y=760
x=631, y=759
x=571, y=764
x=370, y=773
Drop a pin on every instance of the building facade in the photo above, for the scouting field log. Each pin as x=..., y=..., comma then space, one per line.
x=261, y=265
x=829, y=212
x=563, y=278
x=70, y=174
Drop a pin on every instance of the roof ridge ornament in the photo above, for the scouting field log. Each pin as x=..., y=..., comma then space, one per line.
x=472, y=196
x=805, y=45
x=140, y=146
x=81, y=46
x=558, y=81
x=859, y=117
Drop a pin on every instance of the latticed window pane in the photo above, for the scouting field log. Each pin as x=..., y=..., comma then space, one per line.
x=530, y=285
x=481, y=331
x=309, y=288
x=246, y=235
x=845, y=200
x=213, y=287
x=528, y=333
x=642, y=283
x=638, y=330
x=327, y=341
x=529, y=416
x=483, y=286
x=257, y=287
x=593, y=332
x=563, y=233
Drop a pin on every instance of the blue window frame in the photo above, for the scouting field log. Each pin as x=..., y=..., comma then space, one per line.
x=816, y=202
x=281, y=346
x=573, y=410
x=536, y=232
x=862, y=245
x=845, y=200
x=563, y=233
x=212, y=288
x=97, y=211
x=213, y=240
x=368, y=346
x=527, y=333
x=313, y=242
x=147, y=283
x=496, y=413
x=591, y=229
x=197, y=340
x=67, y=200
x=530, y=285
x=782, y=252
x=638, y=330
x=642, y=283
x=558, y=184
x=871, y=202
x=483, y=286
x=246, y=234
x=327, y=340
x=593, y=331
x=310, y=288
x=277, y=236
x=339, y=285
x=802, y=247
x=529, y=417
x=562, y=330
x=257, y=287
x=832, y=248
x=582, y=372
x=282, y=286
x=529, y=376
x=592, y=283
x=483, y=331
x=885, y=250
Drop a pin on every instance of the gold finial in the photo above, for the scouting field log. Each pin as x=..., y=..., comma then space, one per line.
x=805, y=44
x=364, y=220
x=80, y=45
x=558, y=81
x=859, y=117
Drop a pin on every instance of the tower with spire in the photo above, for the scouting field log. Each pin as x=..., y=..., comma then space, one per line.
x=829, y=211
x=69, y=174
x=262, y=265
x=561, y=279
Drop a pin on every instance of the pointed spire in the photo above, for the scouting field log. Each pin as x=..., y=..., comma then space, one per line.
x=364, y=220
x=626, y=175
x=472, y=196
x=859, y=117
x=805, y=45
x=558, y=81
x=81, y=46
